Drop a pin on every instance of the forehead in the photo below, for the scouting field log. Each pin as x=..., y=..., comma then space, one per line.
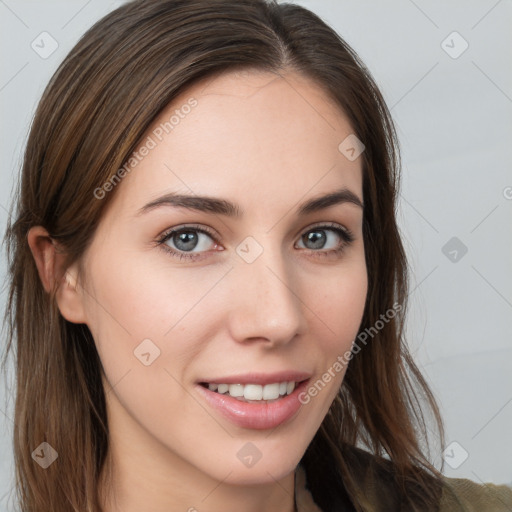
x=242, y=135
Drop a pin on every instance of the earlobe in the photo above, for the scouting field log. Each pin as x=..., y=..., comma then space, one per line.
x=49, y=262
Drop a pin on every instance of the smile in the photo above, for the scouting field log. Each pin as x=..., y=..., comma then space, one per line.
x=254, y=392
x=252, y=405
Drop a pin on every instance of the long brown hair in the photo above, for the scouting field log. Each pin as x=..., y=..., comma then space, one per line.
x=104, y=96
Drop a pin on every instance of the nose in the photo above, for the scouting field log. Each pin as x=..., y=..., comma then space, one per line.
x=266, y=302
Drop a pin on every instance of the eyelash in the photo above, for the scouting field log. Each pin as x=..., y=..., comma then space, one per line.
x=345, y=234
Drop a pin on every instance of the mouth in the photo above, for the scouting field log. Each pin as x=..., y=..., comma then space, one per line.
x=266, y=404
x=254, y=393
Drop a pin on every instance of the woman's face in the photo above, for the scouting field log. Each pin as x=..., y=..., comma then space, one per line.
x=270, y=295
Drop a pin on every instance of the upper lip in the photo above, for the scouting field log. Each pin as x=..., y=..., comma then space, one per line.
x=259, y=378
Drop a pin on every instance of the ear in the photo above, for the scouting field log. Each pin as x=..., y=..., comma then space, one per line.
x=49, y=262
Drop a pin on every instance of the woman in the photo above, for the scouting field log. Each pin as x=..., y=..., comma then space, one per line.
x=204, y=235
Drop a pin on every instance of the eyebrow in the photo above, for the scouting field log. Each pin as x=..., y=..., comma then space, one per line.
x=221, y=206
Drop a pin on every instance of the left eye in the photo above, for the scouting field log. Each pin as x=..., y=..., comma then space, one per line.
x=186, y=239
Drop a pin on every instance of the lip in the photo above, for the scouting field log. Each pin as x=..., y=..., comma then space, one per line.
x=252, y=415
x=259, y=378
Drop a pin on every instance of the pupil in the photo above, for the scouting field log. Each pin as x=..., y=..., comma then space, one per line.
x=187, y=240
x=317, y=237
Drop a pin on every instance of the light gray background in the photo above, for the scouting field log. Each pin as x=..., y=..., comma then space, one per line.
x=454, y=122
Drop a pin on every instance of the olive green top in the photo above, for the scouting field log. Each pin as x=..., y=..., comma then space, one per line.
x=458, y=495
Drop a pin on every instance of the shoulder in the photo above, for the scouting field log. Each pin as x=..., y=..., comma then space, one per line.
x=456, y=494
x=376, y=476
x=460, y=494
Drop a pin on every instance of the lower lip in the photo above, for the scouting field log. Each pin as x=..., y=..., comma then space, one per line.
x=255, y=416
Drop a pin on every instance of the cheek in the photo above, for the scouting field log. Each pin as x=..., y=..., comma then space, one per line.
x=144, y=296
x=138, y=316
x=134, y=299
x=341, y=302
x=338, y=314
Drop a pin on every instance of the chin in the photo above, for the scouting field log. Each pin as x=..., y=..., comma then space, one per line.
x=255, y=466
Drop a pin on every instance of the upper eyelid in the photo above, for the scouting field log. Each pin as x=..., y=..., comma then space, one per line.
x=192, y=227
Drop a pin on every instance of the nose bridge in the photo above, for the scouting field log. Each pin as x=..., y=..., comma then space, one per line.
x=266, y=302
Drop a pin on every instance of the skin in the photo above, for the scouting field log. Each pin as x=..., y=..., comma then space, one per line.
x=266, y=142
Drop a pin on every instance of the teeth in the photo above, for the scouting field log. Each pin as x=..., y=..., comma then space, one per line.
x=271, y=391
x=222, y=388
x=236, y=390
x=254, y=392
